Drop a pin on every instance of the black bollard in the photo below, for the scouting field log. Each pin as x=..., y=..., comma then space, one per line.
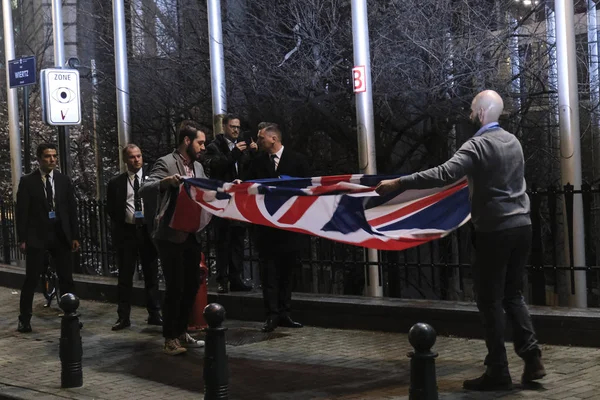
x=423, y=385
x=216, y=371
x=70, y=343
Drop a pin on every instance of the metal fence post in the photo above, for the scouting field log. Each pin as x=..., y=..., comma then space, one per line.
x=5, y=233
x=568, y=188
x=538, y=276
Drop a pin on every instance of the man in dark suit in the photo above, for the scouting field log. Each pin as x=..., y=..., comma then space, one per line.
x=278, y=250
x=179, y=251
x=46, y=222
x=130, y=214
x=225, y=159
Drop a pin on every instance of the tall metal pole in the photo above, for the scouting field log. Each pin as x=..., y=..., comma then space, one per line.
x=122, y=78
x=570, y=147
x=365, y=123
x=594, y=79
x=11, y=99
x=217, y=62
x=59, y=61
x=26, y=136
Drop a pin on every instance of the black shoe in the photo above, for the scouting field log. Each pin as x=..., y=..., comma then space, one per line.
x=24, y=327
x=270, y=325
x=486, y=383
x=534, y=370
x=222, y=288
x=155, y=319
x=121, y=324
x=240, y=287
x=289, y=323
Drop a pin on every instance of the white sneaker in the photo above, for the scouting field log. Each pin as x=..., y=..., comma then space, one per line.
x=187, y=341
x=173, y=347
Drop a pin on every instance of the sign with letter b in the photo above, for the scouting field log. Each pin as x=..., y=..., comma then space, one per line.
x=358, y=75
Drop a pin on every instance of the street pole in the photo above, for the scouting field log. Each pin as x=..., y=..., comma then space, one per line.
x=11, y=99
x=594, y=79
x=26, y=135
x=217, y=63
x=570, y=147
x=122, y=79
x=59, y=61
x=365, y=123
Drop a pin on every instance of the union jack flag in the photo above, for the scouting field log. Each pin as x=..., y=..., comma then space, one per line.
x=344, y=208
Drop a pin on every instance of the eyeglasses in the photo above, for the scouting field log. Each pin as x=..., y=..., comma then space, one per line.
x=234, y=127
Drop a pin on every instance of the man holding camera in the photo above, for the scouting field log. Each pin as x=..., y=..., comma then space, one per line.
x=225, y=157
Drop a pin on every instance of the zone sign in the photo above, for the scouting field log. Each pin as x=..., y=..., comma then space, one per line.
x=61, y=98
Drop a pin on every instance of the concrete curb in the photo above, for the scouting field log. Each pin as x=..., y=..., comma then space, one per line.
x=559, y=326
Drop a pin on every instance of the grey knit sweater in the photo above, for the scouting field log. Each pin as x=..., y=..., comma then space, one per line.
x=494, y=165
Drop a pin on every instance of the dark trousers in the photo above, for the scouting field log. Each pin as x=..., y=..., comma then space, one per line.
x=230, y=251
x=181, y=269
x=60, y=250
x=276, y=278
x=500, y=259
x=136, y=241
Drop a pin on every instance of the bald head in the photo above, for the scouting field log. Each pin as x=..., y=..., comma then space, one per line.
x=486, y=107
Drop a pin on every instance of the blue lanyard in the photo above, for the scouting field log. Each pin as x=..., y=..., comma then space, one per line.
x=487, y=127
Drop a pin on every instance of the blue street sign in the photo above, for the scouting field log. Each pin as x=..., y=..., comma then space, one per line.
x=21, y=72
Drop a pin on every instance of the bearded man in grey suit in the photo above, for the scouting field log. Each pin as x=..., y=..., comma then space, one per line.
x=179, y=251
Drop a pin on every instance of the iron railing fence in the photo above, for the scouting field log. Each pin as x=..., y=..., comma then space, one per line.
x=436, y=270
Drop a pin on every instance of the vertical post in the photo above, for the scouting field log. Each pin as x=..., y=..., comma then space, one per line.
x=122, y=78
x=594, y=79
x=217, y=61
x=26, y=137
x=11, y=99
x=216, y=370
x=570, y=147
x=59, y=61
x=96, y=138
x=365, y=123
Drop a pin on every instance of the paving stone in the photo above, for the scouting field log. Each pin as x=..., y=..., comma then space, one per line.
x=295, y=364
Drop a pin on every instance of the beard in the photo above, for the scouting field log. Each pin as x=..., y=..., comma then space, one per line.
x=477, y=122
x=193, y=155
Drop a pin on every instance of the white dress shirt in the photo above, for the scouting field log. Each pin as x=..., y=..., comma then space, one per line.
x=278, y=157
x=130, y=199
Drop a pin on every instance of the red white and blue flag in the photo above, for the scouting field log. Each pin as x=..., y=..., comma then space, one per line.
x=344, y=208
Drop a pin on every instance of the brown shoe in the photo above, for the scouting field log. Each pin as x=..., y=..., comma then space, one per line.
x=534, y=370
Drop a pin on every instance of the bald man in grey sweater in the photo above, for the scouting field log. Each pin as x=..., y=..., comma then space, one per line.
x=492, y=160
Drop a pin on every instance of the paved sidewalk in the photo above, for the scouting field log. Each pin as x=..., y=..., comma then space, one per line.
x=308, y=363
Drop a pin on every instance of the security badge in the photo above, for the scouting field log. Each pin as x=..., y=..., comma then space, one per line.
x=138, y=214
x=51, y=215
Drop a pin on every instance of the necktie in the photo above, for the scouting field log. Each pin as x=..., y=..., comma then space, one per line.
x=136, y=196
x=274, y=161
x=49, y=196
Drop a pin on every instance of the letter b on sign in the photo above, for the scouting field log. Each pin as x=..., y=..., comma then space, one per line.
x=358, y=75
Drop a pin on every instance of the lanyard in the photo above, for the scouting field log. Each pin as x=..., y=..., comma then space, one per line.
x=486, y=128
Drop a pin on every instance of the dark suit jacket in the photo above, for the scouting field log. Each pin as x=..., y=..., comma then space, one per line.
x=220, y=161
x=116, y=198
x=33, y=223
x=269, y=240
